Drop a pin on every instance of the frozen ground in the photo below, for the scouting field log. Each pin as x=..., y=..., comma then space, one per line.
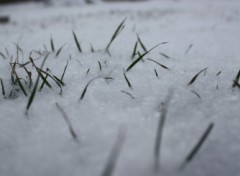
x=40, y=144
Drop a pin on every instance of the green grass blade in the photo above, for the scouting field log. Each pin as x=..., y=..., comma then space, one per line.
x=31, y=98
x=86, y=87
x=195, y=77
x=164, y=55
x=114, y=154
x=100, y=65
x=195, y=93
x=156, y=73
x=20, y=85
x=161, y=123
x=92, y=49
x=140, y=58
x=127, y=80
x=3, y=90
x=141, y=43
x=59, y=51
x=134, y=50
x=163, y=66
x=65, y=68
x=67, y=120
x=115, y=34
x=127, y=93
x=236, y=79
x=77, y=43
x=3, y=56
x=196, y=148
x=188, y=49
x=52, y=45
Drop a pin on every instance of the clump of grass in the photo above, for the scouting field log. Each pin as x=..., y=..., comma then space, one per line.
x=114, y=154
x=236, y=80
x=127, y=80
x=67, y=120
x=195, y=77
x=198, y=145
x=161, y=65
x=159, y=134
x=86, y=87
x=115, y=34
x=188, y=49
x=127, y=93
x=77, y=43
x=141, y=57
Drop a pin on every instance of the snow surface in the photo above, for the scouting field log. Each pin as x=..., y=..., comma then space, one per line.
x=40, y=144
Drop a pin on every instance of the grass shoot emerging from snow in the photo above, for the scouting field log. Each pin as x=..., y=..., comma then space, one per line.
x=67, y=120
x=198, y=145
x=160, y=127
x=115, y=34
x=115, y=152
x=195, y=77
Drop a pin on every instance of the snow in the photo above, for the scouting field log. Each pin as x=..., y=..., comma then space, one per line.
x=40, y=144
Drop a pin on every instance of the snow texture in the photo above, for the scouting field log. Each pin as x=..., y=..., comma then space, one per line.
x=200, y=34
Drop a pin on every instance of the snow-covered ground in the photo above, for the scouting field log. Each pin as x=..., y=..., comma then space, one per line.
x=200, y=34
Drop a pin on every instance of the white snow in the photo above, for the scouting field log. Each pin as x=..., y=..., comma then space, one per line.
x=40, y=144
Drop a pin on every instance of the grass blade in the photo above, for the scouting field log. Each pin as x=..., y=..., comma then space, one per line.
x=92, y=49
x=140, y=58
x=20, y=85
x=218, y=73
x=163, y=66
x=236, y=81
x=114, y=154
x=100, y=66
x=115, y=34
x=31, y=98
x=134, y=50
x=125, y=92
x=67, y=120
x=195, y=93
x=87, y=71
x=3, y=90
x=156, y=73
x=195, y=77
x=141, y=43
x=59, y=51
x=196, y=148
x=164, y=55
x=52, y=45
x=3, y=56
x=77, y=43
x=65, y=68
x=128, y=82
x=86, y=87
x=188, y=49
x=161, y=123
